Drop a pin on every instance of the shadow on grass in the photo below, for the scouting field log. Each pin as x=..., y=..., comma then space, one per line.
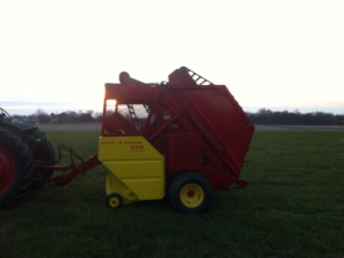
x=7, y=247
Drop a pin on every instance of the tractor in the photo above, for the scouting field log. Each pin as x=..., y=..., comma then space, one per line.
x=181, y=140
x=22, y=148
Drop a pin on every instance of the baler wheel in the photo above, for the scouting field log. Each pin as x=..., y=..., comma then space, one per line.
x=15, y=166
x=114, y=201
x=190, y=193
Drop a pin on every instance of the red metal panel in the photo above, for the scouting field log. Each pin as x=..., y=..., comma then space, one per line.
x=132, y=94
x=184, y=152
x=217, y=110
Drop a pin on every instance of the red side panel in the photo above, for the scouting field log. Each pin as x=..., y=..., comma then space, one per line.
x=227, y=124
x=184, y=152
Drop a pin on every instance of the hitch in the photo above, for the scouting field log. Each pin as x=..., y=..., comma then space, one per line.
x=75, y=167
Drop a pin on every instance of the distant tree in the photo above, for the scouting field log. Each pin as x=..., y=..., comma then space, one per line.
x=268, y=117
x=41, y=117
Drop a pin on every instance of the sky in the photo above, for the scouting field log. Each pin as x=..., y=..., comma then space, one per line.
x=57, y=55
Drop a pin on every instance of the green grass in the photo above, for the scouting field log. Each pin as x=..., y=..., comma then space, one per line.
x=293, y=207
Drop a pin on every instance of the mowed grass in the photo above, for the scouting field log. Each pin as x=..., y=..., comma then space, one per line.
x=293, y=207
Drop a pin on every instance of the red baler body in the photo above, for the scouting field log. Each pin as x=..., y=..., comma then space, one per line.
x=198, y=126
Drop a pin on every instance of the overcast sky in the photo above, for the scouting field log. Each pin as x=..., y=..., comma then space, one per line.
x=275, y=54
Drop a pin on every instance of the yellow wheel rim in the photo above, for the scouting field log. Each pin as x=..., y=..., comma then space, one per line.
x=191, y=195
x=114, y=202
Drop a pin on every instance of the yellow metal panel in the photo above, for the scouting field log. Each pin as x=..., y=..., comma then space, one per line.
x=144, y=178
x=137, y=168
x=115, y=185
x=126, y=148
x=131, y=169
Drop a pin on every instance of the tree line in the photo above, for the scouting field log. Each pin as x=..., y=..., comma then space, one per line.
x=63, y=117
x=263, y=116
x=269, y=117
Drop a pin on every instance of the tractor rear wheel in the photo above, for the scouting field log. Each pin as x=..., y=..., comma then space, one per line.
x=190, y=193
x=43, y=153
x=15, y=165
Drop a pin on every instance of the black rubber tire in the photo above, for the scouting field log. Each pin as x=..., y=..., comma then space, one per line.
x=176, y=185
x=23, y=163
x=114, y=195
x=43, y=152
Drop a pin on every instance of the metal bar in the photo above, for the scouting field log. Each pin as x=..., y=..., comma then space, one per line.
x=163, y=127
x=75, y=171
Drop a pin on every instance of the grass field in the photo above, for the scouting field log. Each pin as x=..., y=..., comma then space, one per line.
x=293, y=207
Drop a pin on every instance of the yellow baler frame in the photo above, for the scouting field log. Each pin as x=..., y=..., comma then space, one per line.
x=136, y=168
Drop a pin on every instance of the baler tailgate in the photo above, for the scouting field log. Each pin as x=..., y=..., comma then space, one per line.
x=224, y=124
